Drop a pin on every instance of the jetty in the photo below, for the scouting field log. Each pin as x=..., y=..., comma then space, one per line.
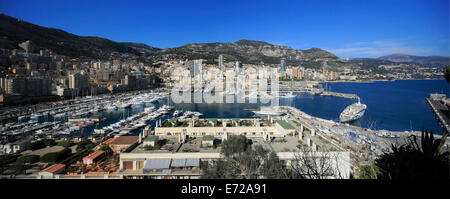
x=440, y=108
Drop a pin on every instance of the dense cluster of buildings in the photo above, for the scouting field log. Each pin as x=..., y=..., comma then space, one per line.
x=24, y=73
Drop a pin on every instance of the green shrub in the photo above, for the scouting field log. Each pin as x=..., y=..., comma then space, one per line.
x=66, y=143
x=49, y=142
x=41, y=144
x=28, y=159
x=56, y=156
x=36, y=145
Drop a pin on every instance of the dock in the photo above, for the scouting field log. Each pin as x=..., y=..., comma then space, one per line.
x=441, y=111
x=343, y=95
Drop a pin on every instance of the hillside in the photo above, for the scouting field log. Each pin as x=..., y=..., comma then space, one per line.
x=250, y=51
x=14, y=31
x=435, y=61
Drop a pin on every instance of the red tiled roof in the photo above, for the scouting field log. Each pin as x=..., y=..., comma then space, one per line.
x=109, y=141
x=123, y=140
x=106, y=142
x=94, y=155
x=54, y=168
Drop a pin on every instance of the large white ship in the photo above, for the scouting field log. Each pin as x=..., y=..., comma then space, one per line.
x=268, y=111
x=353, y=112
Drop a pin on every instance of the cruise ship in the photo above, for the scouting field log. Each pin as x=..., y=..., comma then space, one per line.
x=353, y=112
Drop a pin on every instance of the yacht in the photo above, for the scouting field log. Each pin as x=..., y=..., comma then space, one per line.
x=287, y=95
x=177, y=113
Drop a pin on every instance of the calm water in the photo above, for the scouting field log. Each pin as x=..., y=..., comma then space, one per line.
x=394, y=105
x=398, y=106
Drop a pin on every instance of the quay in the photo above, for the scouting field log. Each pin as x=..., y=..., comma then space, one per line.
x=441, y=111
x=313, y=88
x=343, y=95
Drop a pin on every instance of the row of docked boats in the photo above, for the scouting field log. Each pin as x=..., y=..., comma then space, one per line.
x=71, y=118
x=134, y=122
x=90, y=106
x=187, y=114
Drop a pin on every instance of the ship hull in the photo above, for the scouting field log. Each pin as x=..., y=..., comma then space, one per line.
x=349, y=115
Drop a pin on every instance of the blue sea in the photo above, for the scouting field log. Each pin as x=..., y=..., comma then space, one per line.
x=393, y=105
x=399, y=105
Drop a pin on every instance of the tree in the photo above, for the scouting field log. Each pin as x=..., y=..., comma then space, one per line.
x=309, y=164
x=416, y=161
x=28, y=159
x=235, y=145
x=56, y=156
x=49, y=142
x=367, y=172
x=41, y=144
x=105, y=148
x=36, y=145
x=83, y=145
x=242, y=162
x=66, y=143
x=447, y=73
x=272, y=168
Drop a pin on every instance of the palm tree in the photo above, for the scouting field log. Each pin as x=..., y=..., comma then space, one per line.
x=416, y=161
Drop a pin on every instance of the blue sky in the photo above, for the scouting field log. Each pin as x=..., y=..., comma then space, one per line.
x=347, y=28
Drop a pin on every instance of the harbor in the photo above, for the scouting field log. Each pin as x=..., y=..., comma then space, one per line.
x=85, y=116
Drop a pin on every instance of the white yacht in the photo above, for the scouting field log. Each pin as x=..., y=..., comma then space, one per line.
x=353, y=112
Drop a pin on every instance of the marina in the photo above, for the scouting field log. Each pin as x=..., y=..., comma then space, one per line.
x=126, y=114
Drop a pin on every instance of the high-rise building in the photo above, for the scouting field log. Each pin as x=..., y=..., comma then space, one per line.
x=221, y=66
x=197, y=68
x=238, y=67
x=283, y=65
x=79, y=81
x=31, y=86
x=130, y=81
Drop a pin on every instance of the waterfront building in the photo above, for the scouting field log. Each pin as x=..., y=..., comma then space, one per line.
x=283, y=66
x=130, y=81
x=227, y=127
x=102, y=75
x=31, y=86
x=79, y=81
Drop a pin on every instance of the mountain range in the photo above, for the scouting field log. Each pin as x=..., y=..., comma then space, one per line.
x=437, y=61
x=14, y=31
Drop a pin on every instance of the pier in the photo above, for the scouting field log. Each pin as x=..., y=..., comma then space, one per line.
x=343, y=95
x=441, y=111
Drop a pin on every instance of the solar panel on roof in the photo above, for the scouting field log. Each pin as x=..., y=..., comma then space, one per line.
x=157, y=164
x=178, y=162
x=192, y=162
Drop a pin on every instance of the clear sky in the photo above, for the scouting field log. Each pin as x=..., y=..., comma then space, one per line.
x=347, y=28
